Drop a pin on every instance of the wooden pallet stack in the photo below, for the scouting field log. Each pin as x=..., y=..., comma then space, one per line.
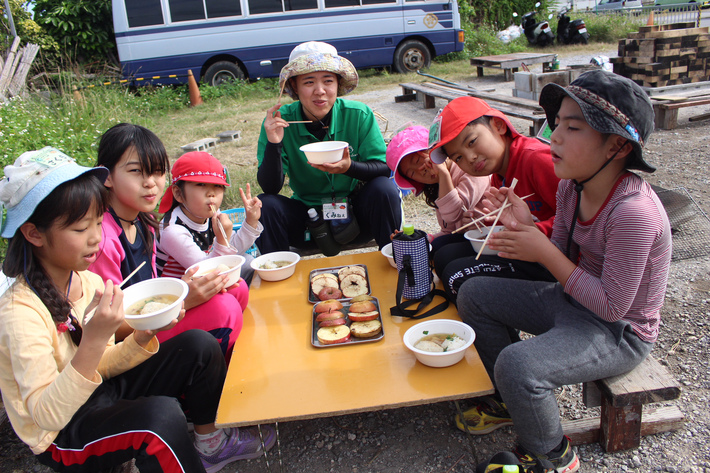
x=662, y=55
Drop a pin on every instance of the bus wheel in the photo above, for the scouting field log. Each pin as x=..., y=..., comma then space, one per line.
x=223, y=71
x=411, y=56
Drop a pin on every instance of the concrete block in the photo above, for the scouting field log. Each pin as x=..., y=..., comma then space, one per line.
x=200, y=145
x=227, y=136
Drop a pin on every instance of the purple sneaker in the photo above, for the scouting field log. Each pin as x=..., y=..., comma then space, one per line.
x=240, y=444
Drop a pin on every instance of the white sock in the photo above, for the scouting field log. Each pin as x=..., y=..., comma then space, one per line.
x=207, y=444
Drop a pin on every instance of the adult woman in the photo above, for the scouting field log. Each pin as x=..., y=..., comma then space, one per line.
x=316, y=77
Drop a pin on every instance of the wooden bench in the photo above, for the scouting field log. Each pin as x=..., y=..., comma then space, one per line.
x=510, y=62
x=668, y=100
x=622, y=421
x=427, y=92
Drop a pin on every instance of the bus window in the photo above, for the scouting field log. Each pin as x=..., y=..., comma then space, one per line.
x=144, y=13
x=341, y=3
x=186, y=10
x=221, y=8
x=375, y=2
x=275, y=6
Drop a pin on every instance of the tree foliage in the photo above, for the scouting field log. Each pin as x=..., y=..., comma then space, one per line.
x=83, y=28
x=25, y=27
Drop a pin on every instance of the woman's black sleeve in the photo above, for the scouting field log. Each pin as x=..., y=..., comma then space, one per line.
x=367, y=170
x=270, y=174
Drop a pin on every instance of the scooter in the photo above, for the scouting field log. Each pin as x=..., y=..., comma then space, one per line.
x=538, y=33
x=570, y=32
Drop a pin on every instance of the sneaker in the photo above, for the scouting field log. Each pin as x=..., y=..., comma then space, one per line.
x=503, y=462
x=241, y=444
x=562, y=460
x=486, y=416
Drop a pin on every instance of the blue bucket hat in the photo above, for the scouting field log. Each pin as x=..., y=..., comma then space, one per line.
x=33, y=176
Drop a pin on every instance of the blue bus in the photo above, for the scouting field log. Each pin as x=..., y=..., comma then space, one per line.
x=221, y=40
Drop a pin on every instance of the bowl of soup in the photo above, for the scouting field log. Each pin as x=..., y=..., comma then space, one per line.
x=153, y=303
x=477, y=237
x=229, y=265
x=322, y=152
x=276, y=266
x=439, y=343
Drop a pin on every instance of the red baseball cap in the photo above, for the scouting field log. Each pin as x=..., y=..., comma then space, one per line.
x=195, y=166
x=453, y=119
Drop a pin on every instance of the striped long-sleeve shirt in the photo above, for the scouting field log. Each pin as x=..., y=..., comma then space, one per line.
x=623, y=254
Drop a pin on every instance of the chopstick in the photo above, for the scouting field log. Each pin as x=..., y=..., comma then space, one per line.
x=463, y=207
x=489, y=214
x=221, y=230
x=88, y=316
x=510, y=189
x=301, y=121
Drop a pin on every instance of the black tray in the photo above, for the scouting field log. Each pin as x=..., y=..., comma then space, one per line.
x=313, y=298
x=353, y=340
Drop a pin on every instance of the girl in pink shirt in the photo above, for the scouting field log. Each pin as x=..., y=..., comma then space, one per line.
x=446, y=188
x=138, y=165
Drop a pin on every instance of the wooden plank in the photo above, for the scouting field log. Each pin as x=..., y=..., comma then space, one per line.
x=8, y=68
x=652, y=92
x=655, y=420
x=18, y=80
x=528, y=104
x=648, y=382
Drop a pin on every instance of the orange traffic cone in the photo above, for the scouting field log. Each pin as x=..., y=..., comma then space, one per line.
x=78, y=97
x=650, y=19
x=195, y=97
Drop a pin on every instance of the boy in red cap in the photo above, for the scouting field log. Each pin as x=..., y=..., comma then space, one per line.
x=482, y=141
x=610, y=253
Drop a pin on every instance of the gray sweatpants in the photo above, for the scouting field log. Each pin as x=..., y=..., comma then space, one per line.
x=572, y=345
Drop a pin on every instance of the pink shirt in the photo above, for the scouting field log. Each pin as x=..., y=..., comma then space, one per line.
x=467, y=192
x=623, y=254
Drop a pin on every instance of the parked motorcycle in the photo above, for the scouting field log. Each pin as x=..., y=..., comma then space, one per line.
x=538, y=33
x=570, y=32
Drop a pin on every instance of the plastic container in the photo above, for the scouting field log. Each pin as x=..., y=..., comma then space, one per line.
x=237, y=216
x=321, y=234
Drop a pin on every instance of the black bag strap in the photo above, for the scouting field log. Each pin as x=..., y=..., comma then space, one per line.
x=401, y=310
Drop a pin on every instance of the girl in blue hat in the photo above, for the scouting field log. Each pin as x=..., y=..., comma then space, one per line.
x=81, y=402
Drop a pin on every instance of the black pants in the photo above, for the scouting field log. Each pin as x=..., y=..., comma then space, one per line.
x=377, y=208
x=140, y=413
x=456, y=263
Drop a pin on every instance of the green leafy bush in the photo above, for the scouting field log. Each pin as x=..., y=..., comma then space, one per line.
x=83, y=28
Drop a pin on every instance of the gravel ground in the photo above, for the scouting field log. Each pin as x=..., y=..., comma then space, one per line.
x=424, y=439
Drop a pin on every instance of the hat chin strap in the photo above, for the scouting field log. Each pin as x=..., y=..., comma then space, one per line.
x=578, y=188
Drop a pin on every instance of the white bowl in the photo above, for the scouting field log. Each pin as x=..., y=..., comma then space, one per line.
x=324, y=151
x=279, y=273
x=154, y=287
x=387, y=253
x=234, y=272
x=476, y=238
x=429, y=327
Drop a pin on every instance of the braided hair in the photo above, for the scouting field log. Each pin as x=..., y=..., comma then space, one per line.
x=66, y=204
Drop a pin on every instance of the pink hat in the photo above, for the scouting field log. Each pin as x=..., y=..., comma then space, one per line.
x=455, y=117
x=408, y=141
x=195, y=166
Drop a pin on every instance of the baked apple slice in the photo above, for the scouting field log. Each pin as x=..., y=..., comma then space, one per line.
x=332, y=315
x=362, y=306
x=328, y=306
x=365, y=329
x=363, y=316
x=331, y=335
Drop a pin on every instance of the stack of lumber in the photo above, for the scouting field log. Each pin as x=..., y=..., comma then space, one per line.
x=15, y=67
x=661, y=55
